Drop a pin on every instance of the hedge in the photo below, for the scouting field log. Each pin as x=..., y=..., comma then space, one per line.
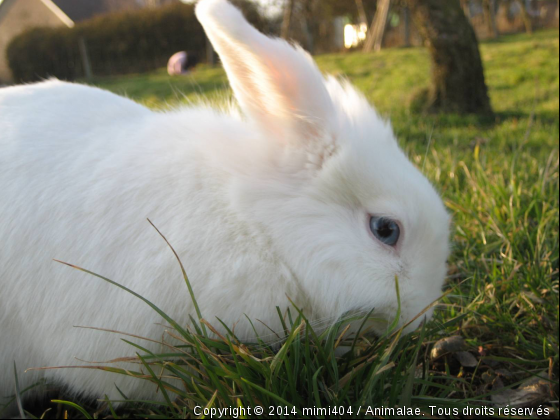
x=120, y=43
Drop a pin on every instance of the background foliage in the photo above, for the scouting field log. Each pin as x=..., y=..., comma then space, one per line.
x=119, y=43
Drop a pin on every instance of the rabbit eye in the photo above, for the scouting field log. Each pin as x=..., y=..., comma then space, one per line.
x=386, y=230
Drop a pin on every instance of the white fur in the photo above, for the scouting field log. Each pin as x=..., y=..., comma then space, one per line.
x=258, y=209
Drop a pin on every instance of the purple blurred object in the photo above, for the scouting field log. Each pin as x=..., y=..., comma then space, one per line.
x=180, y=63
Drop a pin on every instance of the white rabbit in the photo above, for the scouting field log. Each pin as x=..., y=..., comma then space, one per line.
x=307, y=195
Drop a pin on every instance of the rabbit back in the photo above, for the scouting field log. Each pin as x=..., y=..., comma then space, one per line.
x=77, y=185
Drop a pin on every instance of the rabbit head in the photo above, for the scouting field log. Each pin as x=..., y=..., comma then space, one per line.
x=324, y=179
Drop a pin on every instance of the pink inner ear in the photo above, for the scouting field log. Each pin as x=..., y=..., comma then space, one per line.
x=277, y=85
x=288, y=87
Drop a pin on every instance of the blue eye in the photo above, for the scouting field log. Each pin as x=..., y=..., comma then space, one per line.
x=386, y=230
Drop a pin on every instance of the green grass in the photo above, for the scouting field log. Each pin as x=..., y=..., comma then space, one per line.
x=498, y=178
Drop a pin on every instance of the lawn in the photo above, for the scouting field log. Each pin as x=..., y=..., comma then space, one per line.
x=499, y=179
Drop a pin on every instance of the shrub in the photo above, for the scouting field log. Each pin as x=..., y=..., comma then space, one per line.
x=119, y=43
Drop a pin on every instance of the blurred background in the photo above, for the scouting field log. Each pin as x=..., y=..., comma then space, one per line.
x=77, y=39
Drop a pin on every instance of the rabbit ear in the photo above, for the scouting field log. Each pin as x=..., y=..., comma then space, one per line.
x=277, y=85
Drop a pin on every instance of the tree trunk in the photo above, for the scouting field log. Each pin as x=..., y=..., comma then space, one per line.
x=376, y=31
x=407, y=34
x=458, y=83
x=525, y=16
x=489, y=7
x=466, y=5
x=307, y=30
x=287, y=20
x=309, y=22
x=361, y=11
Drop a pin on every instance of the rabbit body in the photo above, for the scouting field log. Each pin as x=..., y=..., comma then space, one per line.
x=271, y=204
x=78, y=187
